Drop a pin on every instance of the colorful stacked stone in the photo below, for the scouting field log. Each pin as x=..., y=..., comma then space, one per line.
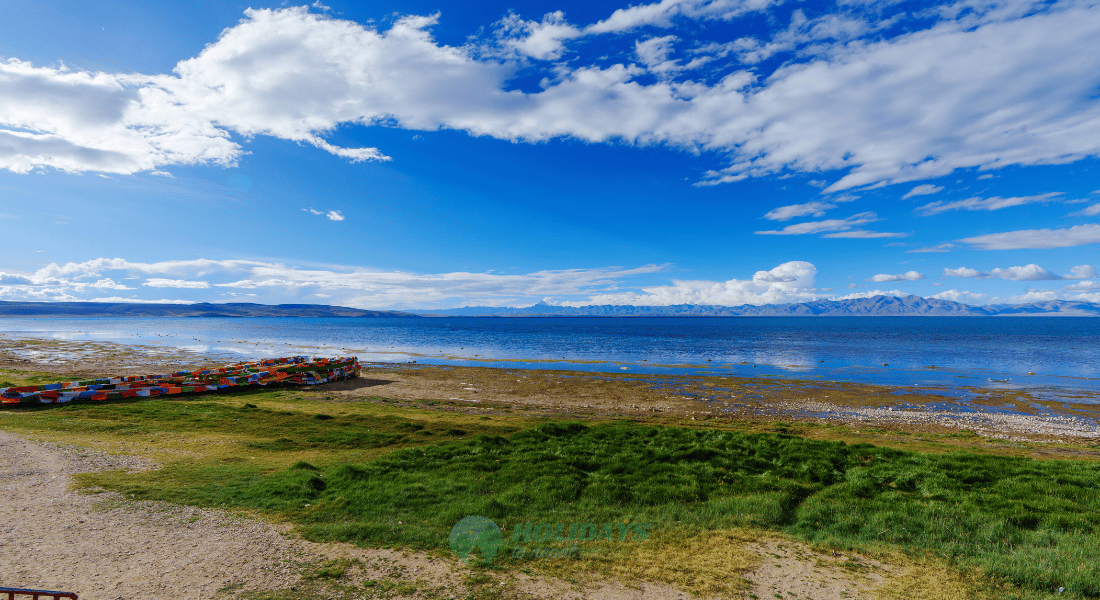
x=294, y=370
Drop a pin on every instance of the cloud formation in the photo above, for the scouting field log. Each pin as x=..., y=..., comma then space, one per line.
x=785, y=213
x=1078, y=235
x=907, y=276
x=348, y=286
x=789, y=282
x=1030, y=272
x=985, y=87
x=922, y=190
x=995, y=203
x=824, y=226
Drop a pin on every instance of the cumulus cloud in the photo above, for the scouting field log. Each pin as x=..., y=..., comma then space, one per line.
x=1077, y=235
x=663, y=13
x=13, y=279
x=964, y=272
x=789, y=282
x=540, y=40
x=785, y=213
x=1083, y=286
x=1082, y=272
x=980, y=88
x=907, y=276
x=176, y=283
x=1033, y=296
x=962, y=296
x=1031, y=272
x=995, y=203
x=922, y=190
x=871, y=294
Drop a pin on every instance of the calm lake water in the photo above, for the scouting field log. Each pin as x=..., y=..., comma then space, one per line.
x=1062, y=352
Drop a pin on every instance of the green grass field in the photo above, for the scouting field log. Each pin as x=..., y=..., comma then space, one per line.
x=377, y=475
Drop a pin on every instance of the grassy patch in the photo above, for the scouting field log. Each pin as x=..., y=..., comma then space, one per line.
x=383, y=476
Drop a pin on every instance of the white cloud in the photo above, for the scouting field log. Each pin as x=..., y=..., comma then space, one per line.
x=334, y=215
x=922, y=190
x=104, y=284
x=907, y=276
x=995, y=203
x=789, y=282
x=136, y=300
x=176, y=283
x=1087, y=297
x=823, y=226
x=862, y=234
x=803, y=31
x=1083, y=286
x=784, y=213
x=541, y=40
x=654, y=54
x=936, y=248
x=1077, y=235
x=977, y=89
x=14, y=279
x=1082, y=272
x=1030, y=272
x=348, y=286
x=1090, y=211
x=662, y=14
x=1033, y=296
x=964, y=272
x=871, y=294
x=961, y=296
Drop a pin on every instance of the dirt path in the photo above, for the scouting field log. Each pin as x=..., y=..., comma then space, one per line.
x=53, y=538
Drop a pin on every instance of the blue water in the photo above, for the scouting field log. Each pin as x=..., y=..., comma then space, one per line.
x=997, y=352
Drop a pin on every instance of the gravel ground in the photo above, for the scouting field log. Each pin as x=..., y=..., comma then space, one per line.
x=1013, y=427
x=102, y=547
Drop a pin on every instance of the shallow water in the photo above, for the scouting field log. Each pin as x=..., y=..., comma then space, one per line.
x=954, y=352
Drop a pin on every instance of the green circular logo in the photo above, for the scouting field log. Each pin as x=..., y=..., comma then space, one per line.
x=476, y=532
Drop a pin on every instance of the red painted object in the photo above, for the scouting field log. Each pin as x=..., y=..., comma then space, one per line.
x=35, y=594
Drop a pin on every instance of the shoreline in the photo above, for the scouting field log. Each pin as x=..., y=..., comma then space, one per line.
x=1006, y=415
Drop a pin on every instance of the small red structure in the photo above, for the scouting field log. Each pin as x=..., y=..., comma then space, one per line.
x=35, y=594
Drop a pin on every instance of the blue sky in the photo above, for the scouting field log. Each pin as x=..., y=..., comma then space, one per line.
x=433, y=154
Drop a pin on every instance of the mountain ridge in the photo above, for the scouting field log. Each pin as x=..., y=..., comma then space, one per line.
x=911, y=305
x=200, y=309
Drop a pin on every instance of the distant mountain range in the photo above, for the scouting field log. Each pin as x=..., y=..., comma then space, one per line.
x=869, y=307
x=866, y=307
x=142, y=309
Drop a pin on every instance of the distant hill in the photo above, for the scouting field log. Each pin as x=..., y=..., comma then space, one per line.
x=203, y=309
x=870, y=307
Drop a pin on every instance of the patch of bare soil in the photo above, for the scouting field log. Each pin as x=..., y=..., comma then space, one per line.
x=103, y=547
